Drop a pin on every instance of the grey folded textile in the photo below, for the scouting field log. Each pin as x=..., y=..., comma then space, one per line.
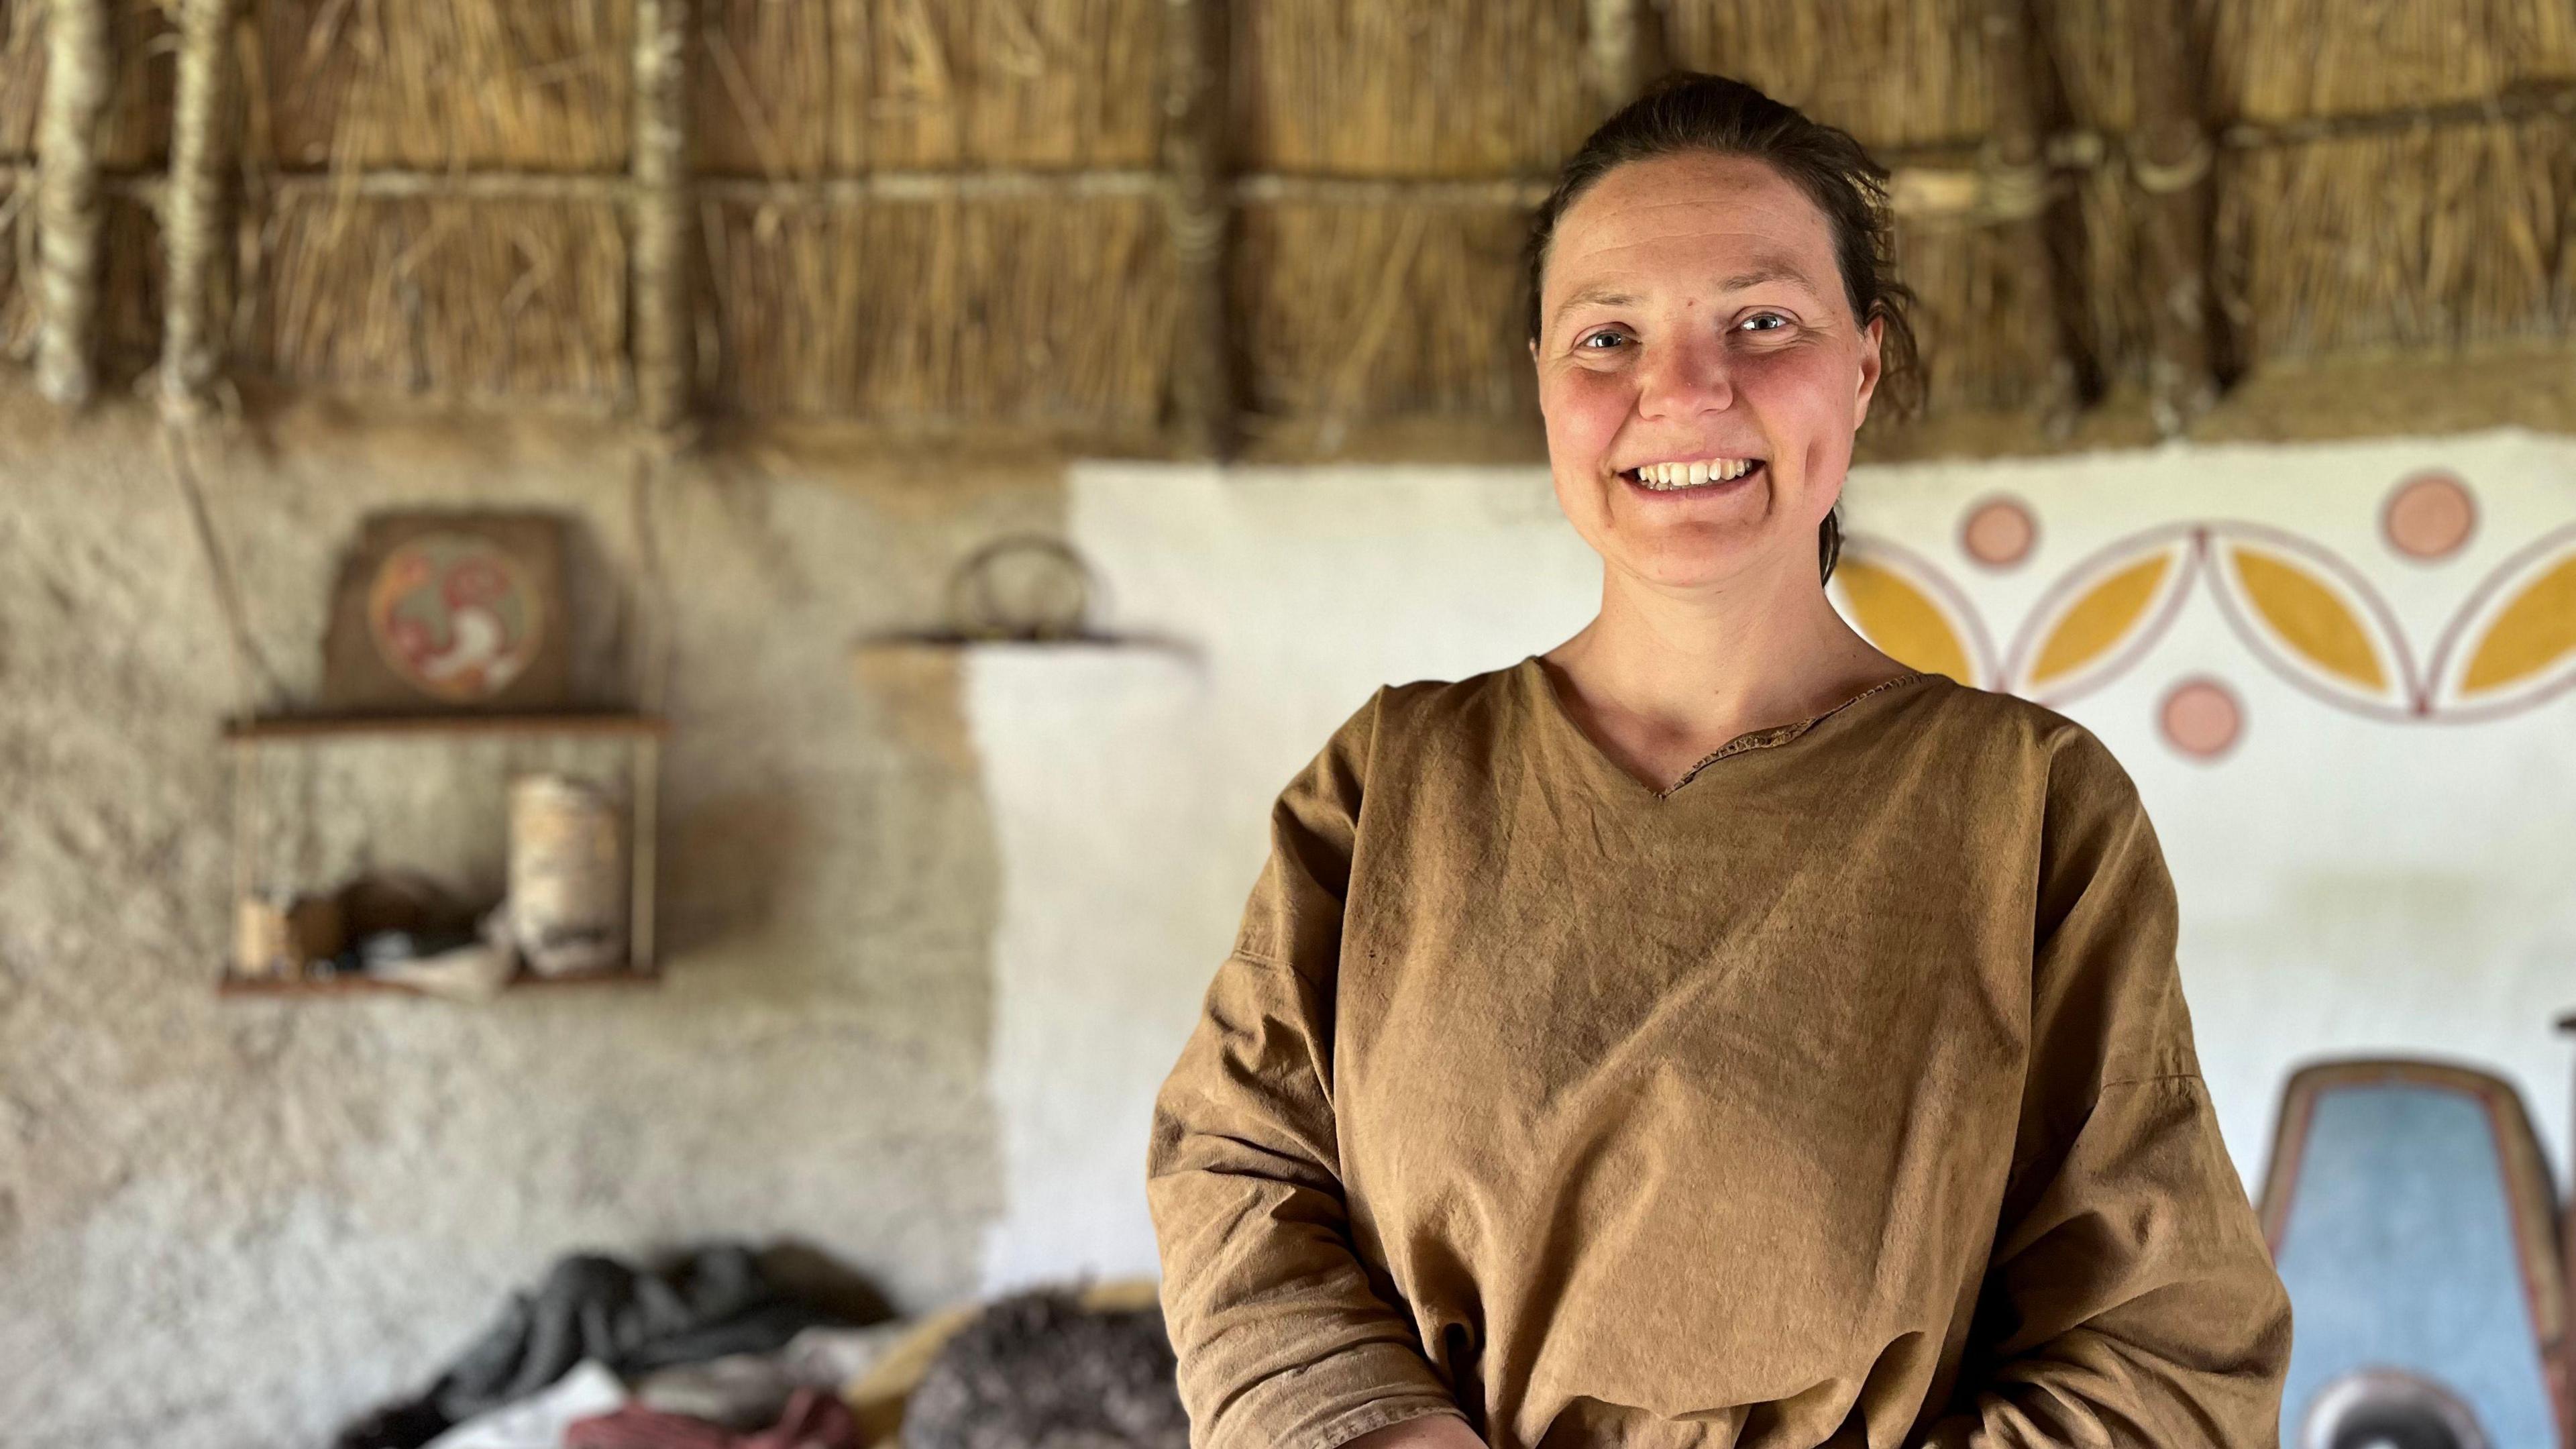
x=712, y=1303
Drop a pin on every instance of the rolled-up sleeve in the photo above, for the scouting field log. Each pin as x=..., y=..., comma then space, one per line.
x=1282, y=1341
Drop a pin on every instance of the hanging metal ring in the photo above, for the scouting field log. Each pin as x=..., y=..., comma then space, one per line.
x=978, y=610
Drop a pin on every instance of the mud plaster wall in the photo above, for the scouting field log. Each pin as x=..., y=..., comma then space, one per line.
x=228, y=1223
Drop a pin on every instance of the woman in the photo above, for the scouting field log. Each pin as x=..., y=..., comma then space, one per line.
x=1710, y=1031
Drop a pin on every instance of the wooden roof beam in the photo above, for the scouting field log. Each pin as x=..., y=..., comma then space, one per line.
x=77, y=77
x=1205, y=405
x=2169, y=154
x=664, y=358
x=201, y=152
x=2043, y=228
x=1617, y=59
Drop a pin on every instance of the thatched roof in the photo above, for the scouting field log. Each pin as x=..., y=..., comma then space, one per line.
x=1287, y=227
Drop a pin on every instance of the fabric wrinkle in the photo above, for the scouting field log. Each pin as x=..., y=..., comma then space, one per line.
x=1842, y=1097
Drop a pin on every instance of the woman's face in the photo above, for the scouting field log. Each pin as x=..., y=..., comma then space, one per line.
x=1693, y=325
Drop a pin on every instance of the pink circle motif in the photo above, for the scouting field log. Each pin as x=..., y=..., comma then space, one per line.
x=1999, y=532
x=2201, y=718
x=2429, y=516
x=455, y=616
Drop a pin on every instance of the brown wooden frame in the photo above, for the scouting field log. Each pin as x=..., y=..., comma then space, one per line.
x=2529, y=1193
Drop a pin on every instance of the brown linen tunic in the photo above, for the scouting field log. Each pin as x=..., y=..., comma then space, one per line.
x=1843, y=1094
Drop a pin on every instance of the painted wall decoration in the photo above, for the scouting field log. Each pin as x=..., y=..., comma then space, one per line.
x=2303, y=611
x=450, y=611
x=454, y=616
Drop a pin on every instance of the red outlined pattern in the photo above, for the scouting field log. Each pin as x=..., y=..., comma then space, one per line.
x=2308, y=615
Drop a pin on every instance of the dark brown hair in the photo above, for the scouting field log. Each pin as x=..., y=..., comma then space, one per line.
x=1688, y=112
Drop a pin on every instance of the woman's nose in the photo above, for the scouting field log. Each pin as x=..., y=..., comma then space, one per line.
x=1684, y=379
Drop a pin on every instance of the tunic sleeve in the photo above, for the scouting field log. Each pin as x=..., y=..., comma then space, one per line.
x=2130, y=1299
x=1280, y=1337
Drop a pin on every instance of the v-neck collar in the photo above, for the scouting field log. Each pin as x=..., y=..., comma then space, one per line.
x=1552, y=705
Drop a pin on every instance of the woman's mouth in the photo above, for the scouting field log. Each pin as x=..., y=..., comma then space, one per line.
x=1704, y=474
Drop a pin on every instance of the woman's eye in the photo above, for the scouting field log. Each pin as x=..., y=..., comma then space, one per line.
x=1764, y=322
x=1592, y=341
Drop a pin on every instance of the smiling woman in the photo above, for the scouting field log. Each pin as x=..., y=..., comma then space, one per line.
x=1709, y=1032
x=1825, y=267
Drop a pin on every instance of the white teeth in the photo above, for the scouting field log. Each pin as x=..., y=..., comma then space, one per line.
x=1693, y=475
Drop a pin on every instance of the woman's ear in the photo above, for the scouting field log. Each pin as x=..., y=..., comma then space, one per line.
x=1870, y=366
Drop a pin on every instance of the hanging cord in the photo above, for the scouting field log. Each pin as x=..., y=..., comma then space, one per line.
x=652, y=644
x=254, y=682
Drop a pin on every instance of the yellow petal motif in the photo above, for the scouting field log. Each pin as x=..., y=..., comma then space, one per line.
x=1900, y=618
x=2096, y=623
x=2309, y=617
x=2533, y=632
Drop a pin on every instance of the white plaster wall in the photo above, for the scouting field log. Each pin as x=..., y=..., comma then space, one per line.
x=2347, y=885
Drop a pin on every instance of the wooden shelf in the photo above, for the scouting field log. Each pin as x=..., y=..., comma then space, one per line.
x=354, y=726
x=354, y=984
x=642, y=735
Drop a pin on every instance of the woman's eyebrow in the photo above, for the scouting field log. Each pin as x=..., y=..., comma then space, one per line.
x=1597, y=296
x=1761, y=270
x=1768, y=269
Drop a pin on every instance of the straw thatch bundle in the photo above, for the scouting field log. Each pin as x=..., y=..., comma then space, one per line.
x=17, y=261
x=2289, y=60
x=132, y=135
x=1892, y=72
x=134, y=131
x=1043, y=306
x=2349, y=228
x=409, y=288
x=493, y=298
x=454, y=85
x=130, y=286
x=2092, y=54
x=1184, y=220
x=2114, y=330
x=1352, y=313
x=1986, y=321
x=1444, y=88
x=819, y=88
x=2442, y=237
x=129, y=322
x=22, y=75
x=928, y=311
